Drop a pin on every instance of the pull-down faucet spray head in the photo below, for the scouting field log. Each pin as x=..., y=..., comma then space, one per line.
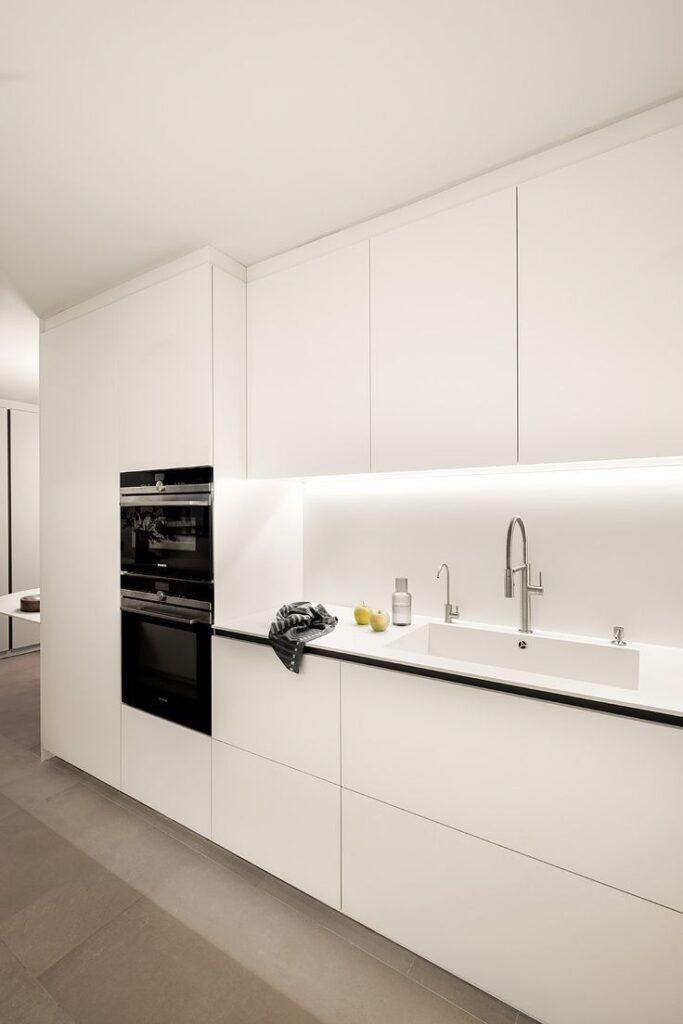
x=509, y=573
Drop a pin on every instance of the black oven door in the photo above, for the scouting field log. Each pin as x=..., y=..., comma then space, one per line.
x=166, y=667
x=167, y=535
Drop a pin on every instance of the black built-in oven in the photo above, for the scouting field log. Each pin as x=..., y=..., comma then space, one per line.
x=166, y=523
x=166, y=649
x=167, y=594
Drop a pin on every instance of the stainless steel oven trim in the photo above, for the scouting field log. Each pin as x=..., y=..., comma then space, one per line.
x=154, y=612
x=154, y=575
x=169, y=489
x=171, y=600
x=133, y=500
x=166, y=618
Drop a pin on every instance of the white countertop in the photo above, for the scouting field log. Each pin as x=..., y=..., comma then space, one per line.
x=9, y=605
x=660, y=683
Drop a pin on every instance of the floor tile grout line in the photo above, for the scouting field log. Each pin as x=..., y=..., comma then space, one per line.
x=37, y=980
x=88, y=938
x=474, y=1016
x=316, y=921
x=403, y=974
x=391, y=967
x=144, y=817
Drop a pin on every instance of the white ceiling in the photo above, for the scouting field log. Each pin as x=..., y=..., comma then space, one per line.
x=136, y=131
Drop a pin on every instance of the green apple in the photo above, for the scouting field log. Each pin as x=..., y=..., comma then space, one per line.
x=362, y=613
x=379, y=621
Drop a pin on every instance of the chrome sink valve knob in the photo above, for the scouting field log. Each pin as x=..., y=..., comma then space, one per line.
x=618, y=636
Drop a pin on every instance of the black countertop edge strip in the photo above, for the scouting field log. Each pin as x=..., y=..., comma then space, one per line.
x=627, y=711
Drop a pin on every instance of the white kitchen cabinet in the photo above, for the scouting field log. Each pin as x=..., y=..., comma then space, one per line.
x=80, y=546
x=167, y=767
x=261, y=707
x=594, y=793
x=308, y=368
x=284, y=820
x=165, y=373
x=129, y=385
x=229, y=379
x=600, y=314
x=559, y=947
x=444, y=339
x=25, y=500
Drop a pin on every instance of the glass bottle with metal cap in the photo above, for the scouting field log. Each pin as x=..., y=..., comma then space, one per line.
x=401, y=603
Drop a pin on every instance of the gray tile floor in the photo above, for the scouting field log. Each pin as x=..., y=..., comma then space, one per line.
x=111, y=913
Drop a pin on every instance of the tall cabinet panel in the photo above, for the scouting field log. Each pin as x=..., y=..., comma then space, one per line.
x=308, y=368
x=600, y=307
x=4, y=527
x=80, y=633
x=443, y=337
x=165, y=373
x=25, y=505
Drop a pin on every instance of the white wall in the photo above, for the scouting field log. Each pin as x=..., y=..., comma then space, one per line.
x=257, y=545
x=25, y=483
x=19, y=329
x=609, y=542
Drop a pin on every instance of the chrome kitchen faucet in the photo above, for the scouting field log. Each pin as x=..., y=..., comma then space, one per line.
x=449, y=612
x=526, y=588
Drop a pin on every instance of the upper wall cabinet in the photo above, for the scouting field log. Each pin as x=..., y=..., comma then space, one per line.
x=165, y=373
x=308, y=368
x=443, y=338
x=600, y=310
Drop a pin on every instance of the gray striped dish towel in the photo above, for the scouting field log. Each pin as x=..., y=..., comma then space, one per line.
x=294, y=625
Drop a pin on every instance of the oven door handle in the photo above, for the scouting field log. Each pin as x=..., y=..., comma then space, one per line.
x=152, y=500
x=163, y=617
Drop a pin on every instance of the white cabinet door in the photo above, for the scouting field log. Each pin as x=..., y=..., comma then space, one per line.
x=308, y=368
x=165, y=373
x=285, y=821
x=557, y=946
x=25, y=494
x=167, y=767
x=80, y=546
x=260, y=706
x=600, y=312
x=444, y=339
x=596, y=794
x=229, y=376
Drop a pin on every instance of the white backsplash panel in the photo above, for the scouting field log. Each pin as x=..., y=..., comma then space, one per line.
x=608, y=541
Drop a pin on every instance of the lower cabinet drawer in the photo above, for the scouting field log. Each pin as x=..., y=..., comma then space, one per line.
x=595, y=793
x=167, y=767
x=261, y=707
x=559, y=947
x=282, y=819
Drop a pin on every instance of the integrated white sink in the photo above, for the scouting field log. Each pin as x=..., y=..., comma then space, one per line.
x=600, y=663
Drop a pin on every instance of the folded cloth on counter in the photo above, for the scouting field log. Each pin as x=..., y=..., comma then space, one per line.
x=294, y=625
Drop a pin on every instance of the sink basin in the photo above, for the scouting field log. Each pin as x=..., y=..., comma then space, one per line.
x=601, y=663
